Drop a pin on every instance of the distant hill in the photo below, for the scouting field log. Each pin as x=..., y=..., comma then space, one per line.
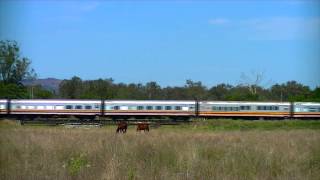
x=51, y=84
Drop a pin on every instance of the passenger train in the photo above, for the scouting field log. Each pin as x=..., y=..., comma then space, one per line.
x=114, y=109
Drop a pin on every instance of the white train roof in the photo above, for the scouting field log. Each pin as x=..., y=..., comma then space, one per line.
x=307, y=103
x=56, y=101
x=149, y=102
x=245, y=103
x=189, y=102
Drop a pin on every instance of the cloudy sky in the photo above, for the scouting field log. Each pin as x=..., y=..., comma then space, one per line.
x=168, y=41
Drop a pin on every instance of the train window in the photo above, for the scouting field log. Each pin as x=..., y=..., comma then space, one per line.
x=246, y=107
x=18, y=107
x=2, y=106
x=78, y=107
x=97, y=106
x=88, y=107
x=276, y=108
x=116, y=107
x=140, y=108
x=312, y=109
x=178, y=108
x=214, y=108
x=235, y=108
x=69, y=107
x=30, y=107
x=158, y=107
x=168, y=107
x=149, y=107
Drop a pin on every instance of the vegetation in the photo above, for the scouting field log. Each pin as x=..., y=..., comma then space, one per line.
x=107, y=89
x=245, y=125
x=14, y=69
x=163, y=153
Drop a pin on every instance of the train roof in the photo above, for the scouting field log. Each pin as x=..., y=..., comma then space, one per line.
x=3, y=100
x=71, y=101
x=245, y=103
x=308, y=103
x=149, y=102
x=95, y=101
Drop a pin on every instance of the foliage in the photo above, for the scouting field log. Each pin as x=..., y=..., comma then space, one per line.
x=76, y=163
x=77, y=88
x=13, y=68
x=13, y=91
x=225, y=124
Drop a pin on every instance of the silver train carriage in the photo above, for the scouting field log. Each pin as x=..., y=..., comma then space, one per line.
x=128, y=108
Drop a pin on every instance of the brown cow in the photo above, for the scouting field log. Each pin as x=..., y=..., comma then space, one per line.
x=142, y=126
x=122, y=127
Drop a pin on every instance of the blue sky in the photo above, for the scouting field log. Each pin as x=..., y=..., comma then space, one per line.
x=168, y=42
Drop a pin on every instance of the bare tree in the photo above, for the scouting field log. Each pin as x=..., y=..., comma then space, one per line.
x=253, y=81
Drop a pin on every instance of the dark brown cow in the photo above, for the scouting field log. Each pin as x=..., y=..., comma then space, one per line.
x=143, y=127
x=122, y=127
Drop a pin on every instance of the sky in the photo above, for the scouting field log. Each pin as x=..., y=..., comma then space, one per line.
x=168, y=41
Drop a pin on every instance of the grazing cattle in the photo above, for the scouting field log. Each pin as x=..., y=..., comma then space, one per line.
x=122, y=127
x=143, y=127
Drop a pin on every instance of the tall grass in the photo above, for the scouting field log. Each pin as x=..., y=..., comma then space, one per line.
x=163, y=153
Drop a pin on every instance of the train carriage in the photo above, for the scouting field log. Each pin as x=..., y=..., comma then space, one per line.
x=55, y=107
x=243, y=109
x=157, y=108
x=306, y=109
x=3, y=106
x=149, y=108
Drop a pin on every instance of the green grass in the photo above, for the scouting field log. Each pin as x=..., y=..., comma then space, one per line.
x=203, y=150
x=242, y=125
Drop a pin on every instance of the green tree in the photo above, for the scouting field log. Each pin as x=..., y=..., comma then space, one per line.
x=153, y=90
x=71, y=89
x=315, y=95
x=195, y=90
x=13, y=91
x=219, y=92
x=37, y=92
x=290, y=91
x=13, y=68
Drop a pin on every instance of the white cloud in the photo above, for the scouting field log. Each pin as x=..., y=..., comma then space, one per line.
x=283, y=28
x=219, y=21
x=274, y=28
x=89, y=6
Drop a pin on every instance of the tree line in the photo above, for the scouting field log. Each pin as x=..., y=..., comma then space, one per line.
x=15, y=68
x=76, y=88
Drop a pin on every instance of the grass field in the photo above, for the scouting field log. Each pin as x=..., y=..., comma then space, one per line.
x=219, y=149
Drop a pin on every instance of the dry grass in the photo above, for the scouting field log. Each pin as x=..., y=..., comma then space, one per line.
x=99, y=153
